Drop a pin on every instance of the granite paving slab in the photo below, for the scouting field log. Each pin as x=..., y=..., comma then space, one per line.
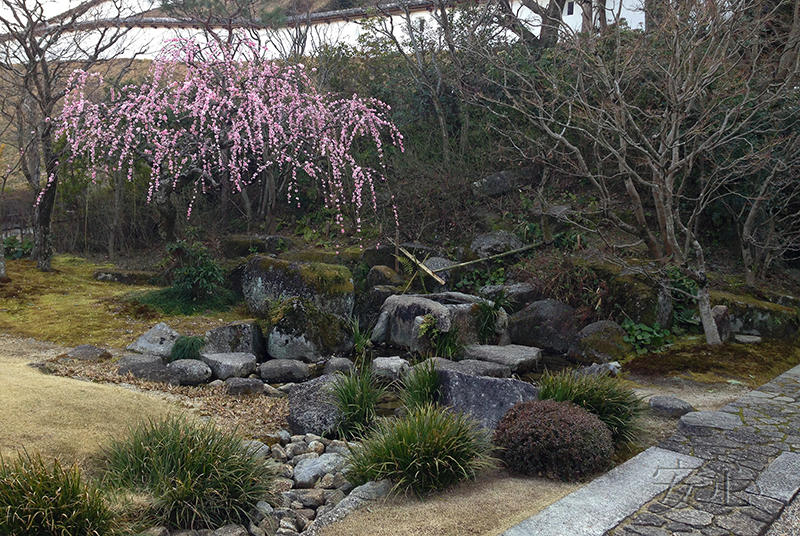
x=737, y=469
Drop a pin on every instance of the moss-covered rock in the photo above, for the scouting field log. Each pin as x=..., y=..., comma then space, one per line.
x=600, y=342
x=299, y=330
x=633, y=294
x=755, y=317
x=347, y=256
x=267, y=281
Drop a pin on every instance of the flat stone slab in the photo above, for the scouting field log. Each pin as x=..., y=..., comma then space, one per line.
x=794, y=371
x=700, y=421
x=781, y=480
x=519, y=359
x=603, y=503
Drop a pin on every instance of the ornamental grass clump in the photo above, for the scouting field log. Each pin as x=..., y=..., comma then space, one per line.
x=429, y=449
x=420, y=385
x=187, y=347
x=39, y=499
x=356, y=395
x=199, y=477
x=558, y=440
x=616, y=405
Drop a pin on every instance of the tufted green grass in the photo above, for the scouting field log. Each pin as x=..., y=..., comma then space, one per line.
x=429, y=449
x=605, y=396
x=198, y=476
x=39, y=499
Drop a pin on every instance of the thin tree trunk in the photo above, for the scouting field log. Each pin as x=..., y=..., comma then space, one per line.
x=119, y=188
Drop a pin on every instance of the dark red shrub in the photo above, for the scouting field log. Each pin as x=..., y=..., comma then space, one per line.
x=558, y=440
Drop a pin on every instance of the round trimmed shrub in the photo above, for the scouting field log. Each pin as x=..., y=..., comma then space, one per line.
x=559, y=440
x=37, y=499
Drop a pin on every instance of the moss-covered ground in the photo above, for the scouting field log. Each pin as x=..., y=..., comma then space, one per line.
x=68, y=306
x=691, y=358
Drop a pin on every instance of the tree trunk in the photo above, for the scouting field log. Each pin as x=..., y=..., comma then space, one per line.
x=119, y=188
x=42, y=251
x=167, y=213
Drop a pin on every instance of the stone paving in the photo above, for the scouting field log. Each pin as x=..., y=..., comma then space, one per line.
x=749, y=468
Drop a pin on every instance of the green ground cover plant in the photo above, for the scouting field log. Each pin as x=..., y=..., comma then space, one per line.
x=443, y=343
x=198, y=476
x=39, y=499
x=646, y=338
x=603, y=395
x=428, y=449
x=559, y=440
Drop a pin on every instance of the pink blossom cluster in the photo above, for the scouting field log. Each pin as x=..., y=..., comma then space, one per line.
x=213, y=114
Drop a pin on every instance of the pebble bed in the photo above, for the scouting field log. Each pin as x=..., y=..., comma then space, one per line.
x=750, y=471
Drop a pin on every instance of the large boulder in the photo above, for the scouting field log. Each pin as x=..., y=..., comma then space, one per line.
x=473, y=367
x=144, y=366
x=545, y=324
x=600, y=342
x=518, y=295
x=439, y=266
x=237, y=337
x=484, y=399
x=244, y=386
x=301, y=331
x=494, y=243
x=397, y=323
x=520, y=359
x=230, y=365
x=283, y=371
x=158, y=340
x=267, y=281
x=402, y=316
x=188, y=372
x=312, y=408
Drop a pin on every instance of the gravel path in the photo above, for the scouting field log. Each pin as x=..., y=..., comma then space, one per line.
x=789, y=522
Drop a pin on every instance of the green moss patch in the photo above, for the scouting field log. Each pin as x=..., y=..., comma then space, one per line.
x=751, y=364
x=68, y=306
x=348, y=256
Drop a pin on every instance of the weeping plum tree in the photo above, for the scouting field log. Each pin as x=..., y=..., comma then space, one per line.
x=219, y=113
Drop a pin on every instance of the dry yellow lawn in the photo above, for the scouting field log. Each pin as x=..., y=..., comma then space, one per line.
x=493, y=503
x=61, y=417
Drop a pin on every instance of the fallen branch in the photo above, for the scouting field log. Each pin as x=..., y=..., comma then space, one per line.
x=512, y=252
